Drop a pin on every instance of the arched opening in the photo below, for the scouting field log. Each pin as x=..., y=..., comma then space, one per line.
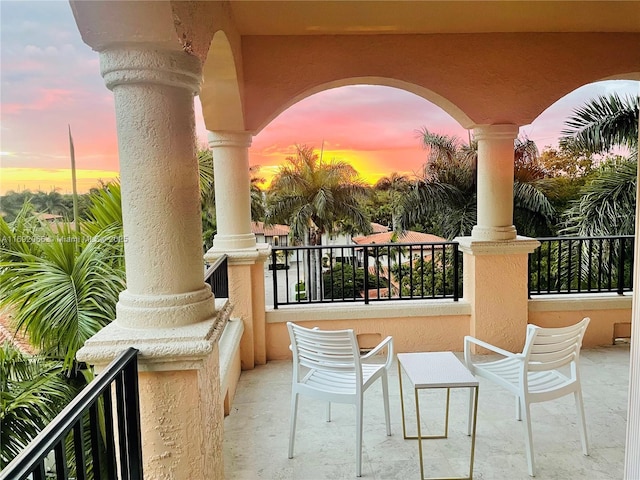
x=220, y=95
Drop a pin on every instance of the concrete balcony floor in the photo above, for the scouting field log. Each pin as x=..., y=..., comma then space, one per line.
x=257, y=430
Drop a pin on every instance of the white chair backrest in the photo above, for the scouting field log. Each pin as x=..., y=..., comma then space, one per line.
x=329, y=350
x=552, y=348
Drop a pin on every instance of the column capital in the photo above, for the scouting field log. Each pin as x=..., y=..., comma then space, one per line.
x=496, y=132
x=229, y=139
x=133, y=64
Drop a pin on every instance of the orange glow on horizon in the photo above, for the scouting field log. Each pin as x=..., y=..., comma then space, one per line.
x=18, y=179
x=367, y=164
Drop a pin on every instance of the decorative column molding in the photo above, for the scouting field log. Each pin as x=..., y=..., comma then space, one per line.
x=232, y=183
x=153, y=92
x=495, y=182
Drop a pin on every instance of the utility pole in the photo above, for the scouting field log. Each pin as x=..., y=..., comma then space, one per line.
x=76, y=216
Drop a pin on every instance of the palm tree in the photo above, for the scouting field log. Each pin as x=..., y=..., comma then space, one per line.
x=61, y=288
x=604, y=123
x=607, y=202
x=313, y=197
x=444, y=198
x=395, y=186
x=33, y=391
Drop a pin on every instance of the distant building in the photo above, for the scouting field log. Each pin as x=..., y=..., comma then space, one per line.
x=274, y=235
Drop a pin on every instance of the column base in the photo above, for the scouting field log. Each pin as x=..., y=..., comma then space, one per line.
x=519, y=244
x=234, y=242
x=258, y=252
x=494, y=233
x=164, y=311
x=170, y=348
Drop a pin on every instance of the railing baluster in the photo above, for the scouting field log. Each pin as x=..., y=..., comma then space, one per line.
x=108, y=426
x=274, y=272
x=78, y=447
x=94, y=432
x=62, y=471
x=456, y=293
x=366, y=277
x=621, y=267
x=132, y=420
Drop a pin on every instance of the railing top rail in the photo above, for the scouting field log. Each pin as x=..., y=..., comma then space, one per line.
x=356, y=245
x=215, y=265
x=604, y=237
x=45, y=441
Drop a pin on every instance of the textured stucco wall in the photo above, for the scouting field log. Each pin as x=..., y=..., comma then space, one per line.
x=181, y=410
x=479, y=79
x=603, y=311
x=410, y=334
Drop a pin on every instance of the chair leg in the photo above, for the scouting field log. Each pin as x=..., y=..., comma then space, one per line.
x=385, y=394
x=359, y=437
x=582, y=424
x=470, y=419
x=328, y=411
x=528, y=439
x=518, y=410
x=294, y=415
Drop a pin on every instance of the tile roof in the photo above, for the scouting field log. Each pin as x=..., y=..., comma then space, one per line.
x=8, y=334
x=406, y=237
x=259, y=228
x=378, y=228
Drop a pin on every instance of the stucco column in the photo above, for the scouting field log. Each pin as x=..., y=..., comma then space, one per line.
x=235, y=239
x=632, y=449
x=153, y=92
x=167, y=311
x=499, y=314
x=232, y=183
x=495, y=182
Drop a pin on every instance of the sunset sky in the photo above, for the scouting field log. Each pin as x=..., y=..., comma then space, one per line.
x=51, y=79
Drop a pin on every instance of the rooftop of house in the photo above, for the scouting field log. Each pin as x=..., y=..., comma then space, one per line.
x=405, y=237
x=8, y=333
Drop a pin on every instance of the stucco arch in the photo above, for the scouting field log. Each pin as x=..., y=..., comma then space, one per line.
x=423, y=92
x=220, y=95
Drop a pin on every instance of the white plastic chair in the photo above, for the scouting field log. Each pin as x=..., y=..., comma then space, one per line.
x=327, y=365
x=534, y=375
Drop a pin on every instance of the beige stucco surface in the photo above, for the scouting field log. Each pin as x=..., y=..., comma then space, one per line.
x=410, y=333
x=181, y=422
x=604, y=313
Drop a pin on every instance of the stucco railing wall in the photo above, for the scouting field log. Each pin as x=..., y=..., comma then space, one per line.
x=441, y=326
x=607, y=312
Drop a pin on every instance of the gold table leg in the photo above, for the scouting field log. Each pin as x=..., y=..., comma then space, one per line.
x=420, y=438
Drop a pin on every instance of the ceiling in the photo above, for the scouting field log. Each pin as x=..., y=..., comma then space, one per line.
x=352, y=17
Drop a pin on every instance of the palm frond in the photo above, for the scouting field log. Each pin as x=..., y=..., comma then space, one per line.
x=603, y=123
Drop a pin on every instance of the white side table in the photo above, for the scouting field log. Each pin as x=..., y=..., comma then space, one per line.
x=438, y=370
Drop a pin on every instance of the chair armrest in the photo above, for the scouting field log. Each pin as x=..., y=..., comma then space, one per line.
x=384, y=343
x=467, y=344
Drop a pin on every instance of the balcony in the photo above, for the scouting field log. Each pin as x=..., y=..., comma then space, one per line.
x=257, y=430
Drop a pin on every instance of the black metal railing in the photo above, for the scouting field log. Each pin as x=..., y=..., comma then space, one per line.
x=82, y=440
x=563, y=265
x=217, y=277
x=365, y=273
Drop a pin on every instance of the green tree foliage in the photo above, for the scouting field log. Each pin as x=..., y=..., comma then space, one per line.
x=61, y=287
x=33, y=390
x=342, y=280
x=607, y=201
x=444, y=199
x=428, y=276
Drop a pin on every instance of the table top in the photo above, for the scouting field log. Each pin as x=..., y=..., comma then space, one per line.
x=436, y=370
